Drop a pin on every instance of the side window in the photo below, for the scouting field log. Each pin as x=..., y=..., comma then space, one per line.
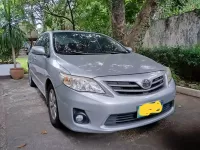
x=46, y=43
x=39, y=41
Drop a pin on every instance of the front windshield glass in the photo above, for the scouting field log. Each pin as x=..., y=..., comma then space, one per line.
x=75, y=43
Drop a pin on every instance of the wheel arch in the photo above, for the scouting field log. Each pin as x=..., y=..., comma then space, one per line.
x=47, y=84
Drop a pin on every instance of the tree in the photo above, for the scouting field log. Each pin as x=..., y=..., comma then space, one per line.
x=142, y=22
x=59, y=9
x=125, y=20
x=12, y=37
x=93, y=15
x=88, y=15
x=53, y=14
x=132, y=7
x=118, y=19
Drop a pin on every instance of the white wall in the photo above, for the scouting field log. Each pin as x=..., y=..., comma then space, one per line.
x=5, y=69
x=182, y=30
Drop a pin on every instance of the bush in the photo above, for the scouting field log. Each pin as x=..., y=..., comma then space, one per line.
x=185, y=62
x=6, y=55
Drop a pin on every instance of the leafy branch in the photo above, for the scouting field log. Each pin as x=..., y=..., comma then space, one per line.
x=48, y=11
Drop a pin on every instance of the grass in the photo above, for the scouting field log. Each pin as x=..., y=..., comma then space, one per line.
x=189, y=84
x=185, y=83
x=23, y=62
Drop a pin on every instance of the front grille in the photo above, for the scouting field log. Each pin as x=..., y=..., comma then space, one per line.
x=126, y=118
x=132, y=88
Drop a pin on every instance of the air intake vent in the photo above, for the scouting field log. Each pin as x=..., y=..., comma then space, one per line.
x=119, y=119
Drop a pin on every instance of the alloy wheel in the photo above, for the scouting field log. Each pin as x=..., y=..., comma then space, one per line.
x=52, y=104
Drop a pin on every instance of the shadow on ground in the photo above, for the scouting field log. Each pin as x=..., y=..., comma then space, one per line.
x=183, y=140
x=27, y=115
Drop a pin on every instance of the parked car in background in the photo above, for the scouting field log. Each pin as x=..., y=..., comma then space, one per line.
x=94, y=84
x=26, y=47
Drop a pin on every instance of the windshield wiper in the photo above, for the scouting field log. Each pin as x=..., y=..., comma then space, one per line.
x=76, y=53
x=117, y=52
x=72, y=53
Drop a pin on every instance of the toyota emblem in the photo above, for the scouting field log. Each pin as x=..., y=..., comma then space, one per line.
x=146, y=84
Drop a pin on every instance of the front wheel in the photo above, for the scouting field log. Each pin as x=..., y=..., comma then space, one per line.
x=53, y=107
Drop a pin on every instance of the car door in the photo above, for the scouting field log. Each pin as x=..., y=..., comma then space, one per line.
x=41, y=63
x=44, y=63
x=32, y=63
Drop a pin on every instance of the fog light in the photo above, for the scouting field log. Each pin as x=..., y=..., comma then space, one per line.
x=80, y=116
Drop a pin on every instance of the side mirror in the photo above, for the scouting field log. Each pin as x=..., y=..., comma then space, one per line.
x=129, y=49
x=38, y=50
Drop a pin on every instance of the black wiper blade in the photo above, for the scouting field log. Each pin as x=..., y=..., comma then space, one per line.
x=75, y=53
x=116, y=52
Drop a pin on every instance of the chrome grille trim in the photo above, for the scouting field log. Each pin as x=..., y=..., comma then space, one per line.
x=112, y=85
x=132, y=88
x=157, y=81
x=140, y=90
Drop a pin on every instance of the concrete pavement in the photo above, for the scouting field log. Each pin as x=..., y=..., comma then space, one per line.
x=24, y=115
x=2, y=122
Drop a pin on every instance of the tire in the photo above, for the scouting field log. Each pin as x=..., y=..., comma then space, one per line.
x=53, y=107
x=31, y=82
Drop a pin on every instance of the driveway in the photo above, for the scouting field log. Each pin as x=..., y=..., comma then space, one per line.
x=24, y=122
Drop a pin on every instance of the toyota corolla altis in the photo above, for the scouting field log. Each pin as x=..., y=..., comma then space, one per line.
x=94, y=84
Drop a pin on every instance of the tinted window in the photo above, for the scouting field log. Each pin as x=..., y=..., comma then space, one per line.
x=39, y=42
x=46, y=43
x=85, y=43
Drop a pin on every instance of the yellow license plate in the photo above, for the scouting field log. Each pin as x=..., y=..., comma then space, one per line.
x=149, y=108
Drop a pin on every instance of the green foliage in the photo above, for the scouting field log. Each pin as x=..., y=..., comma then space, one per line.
x=185, y=62
x=93, y=15
x=5, y=56
x=170, y=8
x=11, y=35
x=58, y=14
x=132, y=8
x=166, y=8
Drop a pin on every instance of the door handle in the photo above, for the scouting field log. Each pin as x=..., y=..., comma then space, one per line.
x=34, y=58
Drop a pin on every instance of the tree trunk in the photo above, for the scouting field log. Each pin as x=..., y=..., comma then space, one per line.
x=118, y=19
x=13, y=56
x=13, y=49
x=136, y=36
x=71, y=14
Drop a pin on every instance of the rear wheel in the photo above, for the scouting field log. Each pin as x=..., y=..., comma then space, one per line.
x=31, y=83
x=53, y=107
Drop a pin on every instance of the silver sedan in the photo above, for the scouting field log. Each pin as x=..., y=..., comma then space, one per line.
x=94, y=84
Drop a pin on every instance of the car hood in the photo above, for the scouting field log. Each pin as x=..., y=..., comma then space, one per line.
x=108, y=64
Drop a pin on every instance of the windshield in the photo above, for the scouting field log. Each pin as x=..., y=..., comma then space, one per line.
x=75, y=43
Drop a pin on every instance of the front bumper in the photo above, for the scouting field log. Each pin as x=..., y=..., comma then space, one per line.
x=99, y=107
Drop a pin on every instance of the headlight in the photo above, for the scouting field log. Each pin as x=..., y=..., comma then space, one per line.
x=81, y=84
x=169, y=74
